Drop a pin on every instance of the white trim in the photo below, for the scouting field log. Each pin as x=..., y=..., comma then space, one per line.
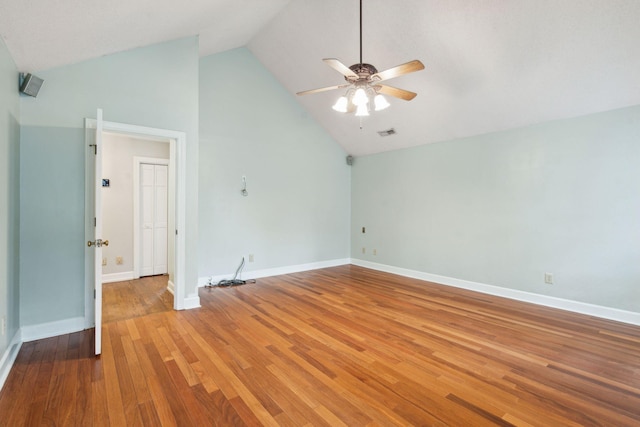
x=118, y=277
x=277, y=271
x=179, y=269
x=544, y=300
x=52, y=329
x=9, y=357
x=97, y=233
x=192, y=301
x=171, y=287
x=137, y=161
x=177, y=171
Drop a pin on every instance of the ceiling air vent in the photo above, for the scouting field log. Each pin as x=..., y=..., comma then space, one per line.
x=387, y=132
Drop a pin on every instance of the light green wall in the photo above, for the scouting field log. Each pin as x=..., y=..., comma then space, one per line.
x=51, y=224
x=155, y=86
x=9, y=196
x=298, y=206
x=502, y=209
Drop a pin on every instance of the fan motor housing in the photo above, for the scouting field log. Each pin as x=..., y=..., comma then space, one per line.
x=364, y=72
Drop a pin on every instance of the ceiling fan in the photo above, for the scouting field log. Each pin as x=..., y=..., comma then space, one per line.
x=363, y=83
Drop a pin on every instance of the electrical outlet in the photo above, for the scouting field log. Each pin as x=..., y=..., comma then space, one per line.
x=250, y=257
x=364, y=250
x=4, y=325
x=548, y=278
x=104, y=261
x=119, y=260
x=375, y=252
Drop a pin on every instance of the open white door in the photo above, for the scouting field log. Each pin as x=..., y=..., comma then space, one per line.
x=97, y=235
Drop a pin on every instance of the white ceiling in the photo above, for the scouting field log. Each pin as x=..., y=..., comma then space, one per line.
x=42, y=34
x=490, y=64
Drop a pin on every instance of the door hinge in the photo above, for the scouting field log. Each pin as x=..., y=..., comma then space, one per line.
x=94, y=294
x=176, y=232
x=94, y=221
x=95, y=148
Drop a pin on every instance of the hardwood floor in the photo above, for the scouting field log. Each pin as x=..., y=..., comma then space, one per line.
x=343, y=346
x=134, y=298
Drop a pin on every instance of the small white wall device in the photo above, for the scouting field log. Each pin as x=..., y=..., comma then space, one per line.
x=244, y=191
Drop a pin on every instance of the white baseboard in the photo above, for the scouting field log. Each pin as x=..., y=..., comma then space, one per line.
x=192, y=301
x=52, y=329
x=118, y=277
x=9, y=356
x=548, y=301
x=257, y=274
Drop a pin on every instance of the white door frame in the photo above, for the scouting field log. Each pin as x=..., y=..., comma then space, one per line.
x=137, y=161
x=177, y=175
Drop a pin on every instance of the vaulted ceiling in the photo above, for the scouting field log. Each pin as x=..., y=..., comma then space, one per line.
x=491, y=65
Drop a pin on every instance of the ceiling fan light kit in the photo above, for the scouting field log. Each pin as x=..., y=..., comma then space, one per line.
x=359, y=100
x=363, y=84
x=341, y=104
x=380, y=102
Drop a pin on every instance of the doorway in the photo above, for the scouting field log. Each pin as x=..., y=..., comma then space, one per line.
x=176, y=213
x=135, y=207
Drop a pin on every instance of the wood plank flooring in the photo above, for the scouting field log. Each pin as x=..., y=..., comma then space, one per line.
x=134, y=298
x=342, y=346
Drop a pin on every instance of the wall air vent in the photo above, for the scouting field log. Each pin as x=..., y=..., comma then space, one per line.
x=387, y=132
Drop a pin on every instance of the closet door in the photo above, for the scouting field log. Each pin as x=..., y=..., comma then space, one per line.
x=153, y=212
x=160, y=219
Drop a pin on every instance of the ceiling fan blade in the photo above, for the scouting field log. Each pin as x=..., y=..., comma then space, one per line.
x=322, y=89
x=340, y=67
x=406, y=68
x=395, y=92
